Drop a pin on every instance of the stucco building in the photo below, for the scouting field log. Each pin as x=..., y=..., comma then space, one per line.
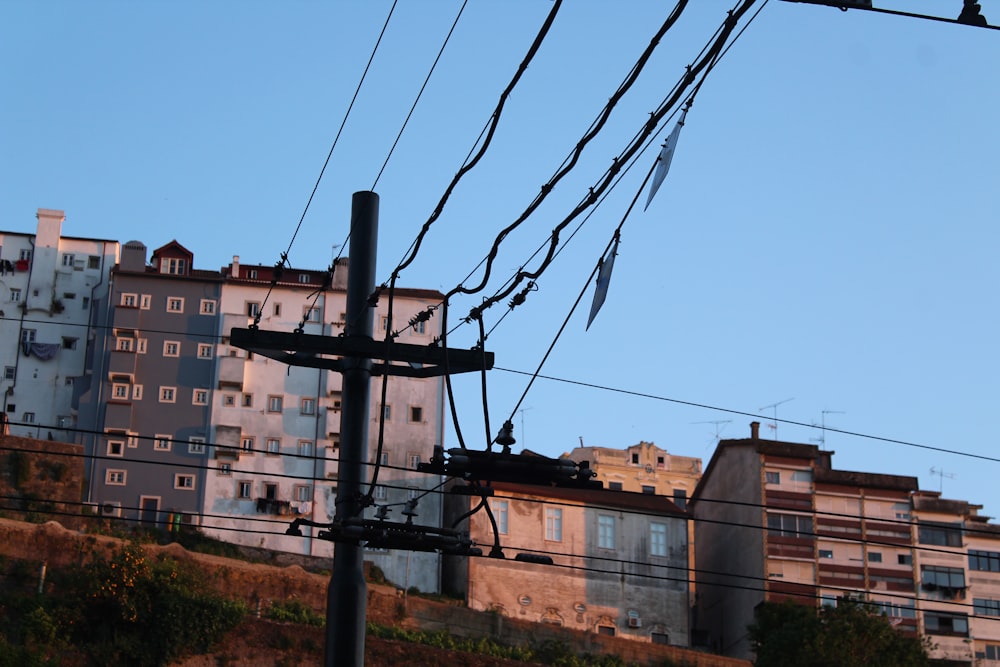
x=619, y=560
x=53, y=301
x=774, y=520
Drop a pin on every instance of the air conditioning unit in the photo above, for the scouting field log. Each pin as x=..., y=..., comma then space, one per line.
x=111, y=509
x=635, y=622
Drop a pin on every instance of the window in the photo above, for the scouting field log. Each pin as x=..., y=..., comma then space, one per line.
x=8, y=372
x=199, y=397
x=984, y=561
x=789, y=525
x=416, y=414
x=206, y=307
x=660, y=638
x=171, y=348
x=93, y=262
x=895, y=610
x=681, y=498
x=168, y=394
x=114, y=477
x=940, y=534
x=384, y=322
x=310, y=314
x=67, y=260
x=802, y=475
x=246, y=444
x=119, y=391
x=335, y=398
x=305, y=447
x=173, y=265
x=247, y=400
x=28, y=417
x=183, y=481
x=553, y=524
x=657, y=539
x=24, y=254
x=635, y=458
x=145, y=301
x=986, y=607
x=606, y=531
x=68, y=343
x=244, y=489
x=140, y=346
x=162, y=443
x=15, y=295
x=308, y=406
x=414, y=460
x=175, y=304
x=904, y=559
x=384, y=458
x=387, y=412
x=874, y=557
x=251, y=274
x=275, y=403
x=302, y=493
x=196, y=445
x=419, y=327
x=253, y=308
x=124, y=344
x=380, y=492
x=129, y=300
x=28, y=335
x=500, y=508
x=948, y=581
x=990, y=652
x=772, y=477
x=273, y=446
x=116, y=448
x=225, y=469
x=204, y=351
x=648, y=490
x=614, y=486
x=826, y=553
x=938, y=623
x=228, y=400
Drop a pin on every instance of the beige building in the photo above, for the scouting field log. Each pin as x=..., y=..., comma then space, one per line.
x=774, y=520
x=643, y=468
x=619, y=560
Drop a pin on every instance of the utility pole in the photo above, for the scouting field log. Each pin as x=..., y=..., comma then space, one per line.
x=347, y=595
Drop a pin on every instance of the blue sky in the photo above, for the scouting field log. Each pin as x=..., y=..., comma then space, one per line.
x=827, y=232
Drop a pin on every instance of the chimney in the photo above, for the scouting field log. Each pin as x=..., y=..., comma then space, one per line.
x=755, y=430
x=234, y=268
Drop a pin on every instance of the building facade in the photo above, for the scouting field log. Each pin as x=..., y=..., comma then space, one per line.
x=619, y=560
x=53, y=298
x=775, y=521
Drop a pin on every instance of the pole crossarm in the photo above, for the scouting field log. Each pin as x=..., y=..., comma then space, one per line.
x=381, y=534
x=338, y=353
x=479, y=466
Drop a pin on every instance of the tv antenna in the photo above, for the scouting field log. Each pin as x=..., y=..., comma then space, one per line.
x=822, y=425
x=717, y=423
x=774, y=406
x=941, y=474
x=522, y=411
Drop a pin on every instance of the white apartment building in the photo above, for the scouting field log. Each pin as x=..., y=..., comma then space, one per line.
x=53, y=303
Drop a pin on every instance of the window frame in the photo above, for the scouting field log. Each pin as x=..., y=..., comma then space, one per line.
x=167, y=394
x=207, y=307
x=115, y=477
x=553, y=524
x=275, y=403
x=606, y=531
x=658, y=539
x=175, y=304
x=179, y=481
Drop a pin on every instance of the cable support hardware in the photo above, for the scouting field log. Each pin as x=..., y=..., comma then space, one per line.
x=479, y=466
x=338, y=353
x=382, y=534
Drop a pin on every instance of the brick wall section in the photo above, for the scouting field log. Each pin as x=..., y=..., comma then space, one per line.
x=41, y=476
x=387, y=605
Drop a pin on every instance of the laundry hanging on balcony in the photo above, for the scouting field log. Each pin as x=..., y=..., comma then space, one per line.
x=43, y=351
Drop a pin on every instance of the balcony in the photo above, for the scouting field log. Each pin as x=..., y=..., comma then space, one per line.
x=272, y=506
x=231, y=372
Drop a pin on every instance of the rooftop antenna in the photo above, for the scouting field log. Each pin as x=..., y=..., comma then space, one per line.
x=717, y=423
x=822, y=425
x=523, y=441
x=941, y=475
x=774, y=406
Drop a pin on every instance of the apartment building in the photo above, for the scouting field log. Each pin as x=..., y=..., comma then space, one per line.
x=643, y=468
x=53, y=300
x=146, y=417
x=619, y=560
x=774, y=520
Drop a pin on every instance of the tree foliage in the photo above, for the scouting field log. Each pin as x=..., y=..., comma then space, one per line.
x=847, y=635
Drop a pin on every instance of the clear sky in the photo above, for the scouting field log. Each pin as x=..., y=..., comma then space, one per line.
x=827, y=232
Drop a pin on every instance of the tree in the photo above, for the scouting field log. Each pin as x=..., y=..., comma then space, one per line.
x=847, y=635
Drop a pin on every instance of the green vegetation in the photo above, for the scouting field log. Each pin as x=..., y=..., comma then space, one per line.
x=847, y=635
x=293, y=611
x=102, y=613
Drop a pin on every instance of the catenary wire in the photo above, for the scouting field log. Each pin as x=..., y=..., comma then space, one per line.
x=420, y=93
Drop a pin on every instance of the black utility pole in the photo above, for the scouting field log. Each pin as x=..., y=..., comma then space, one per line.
x=347, y=599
